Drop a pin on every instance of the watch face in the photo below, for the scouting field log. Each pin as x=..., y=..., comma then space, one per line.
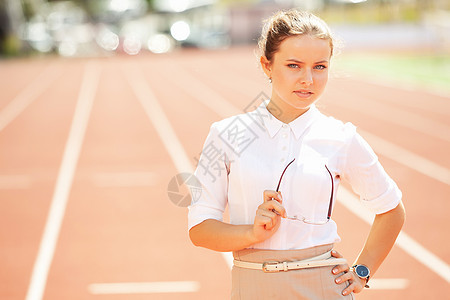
x=362, y=271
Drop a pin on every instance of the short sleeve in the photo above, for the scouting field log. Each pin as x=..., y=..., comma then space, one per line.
x=212, y=173
x=369, y=180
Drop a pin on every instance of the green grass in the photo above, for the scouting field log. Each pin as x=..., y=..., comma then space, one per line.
x=426, y=71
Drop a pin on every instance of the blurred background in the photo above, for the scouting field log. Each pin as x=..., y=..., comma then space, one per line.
x=106, y=27
x=88, y=28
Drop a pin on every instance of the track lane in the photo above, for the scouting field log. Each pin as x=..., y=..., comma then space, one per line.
x=31, y=146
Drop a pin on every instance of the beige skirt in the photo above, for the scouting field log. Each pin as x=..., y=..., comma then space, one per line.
x=309, y=284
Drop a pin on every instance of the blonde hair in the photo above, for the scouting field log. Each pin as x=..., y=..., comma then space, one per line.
x=284, y=24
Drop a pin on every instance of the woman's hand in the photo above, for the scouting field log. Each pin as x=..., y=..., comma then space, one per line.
x=268, y=216
x=356, y=284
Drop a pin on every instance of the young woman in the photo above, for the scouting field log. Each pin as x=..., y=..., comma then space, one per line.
x=278, y=169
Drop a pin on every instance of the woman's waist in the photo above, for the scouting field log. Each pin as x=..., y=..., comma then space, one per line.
x=263, y=255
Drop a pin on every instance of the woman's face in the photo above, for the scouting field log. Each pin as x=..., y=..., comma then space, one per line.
x=299, y=72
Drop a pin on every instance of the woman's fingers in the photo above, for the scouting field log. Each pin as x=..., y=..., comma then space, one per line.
x=267, y=217
x=273, y=206
x=344, y=277
x=334, y=253
x=274, y=199
x=351, y=288
x=271, y=209
x=265, y=221
x=272, y=195
x=339, y=268
x=354, y=284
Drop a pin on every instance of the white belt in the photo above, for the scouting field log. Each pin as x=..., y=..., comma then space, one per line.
x=317, y=261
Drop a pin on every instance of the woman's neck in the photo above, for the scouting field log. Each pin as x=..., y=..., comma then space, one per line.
x=284, y=112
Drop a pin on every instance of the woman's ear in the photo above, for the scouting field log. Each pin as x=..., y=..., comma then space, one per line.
x=266, y=66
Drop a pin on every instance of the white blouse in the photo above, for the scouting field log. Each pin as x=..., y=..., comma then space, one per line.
x=246, y=154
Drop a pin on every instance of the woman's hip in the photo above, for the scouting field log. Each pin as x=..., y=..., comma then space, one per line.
x=302, y=283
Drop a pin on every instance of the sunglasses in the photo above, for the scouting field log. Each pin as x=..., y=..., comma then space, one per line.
x=304, y=219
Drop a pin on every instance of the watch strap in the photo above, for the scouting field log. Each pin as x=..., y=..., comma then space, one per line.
x=367, y=281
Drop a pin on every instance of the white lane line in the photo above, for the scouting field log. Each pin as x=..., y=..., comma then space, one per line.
x=64, y=182
x=15, y=182
x=407, y=158
x=124, y=179
x=416, y=250
x=404, y=241
x=158, y=118
x=389, y=284
x=144, y=287
x=162, y=125
x=28, y=95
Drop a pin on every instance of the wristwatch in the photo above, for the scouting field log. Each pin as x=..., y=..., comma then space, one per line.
x=363, y=272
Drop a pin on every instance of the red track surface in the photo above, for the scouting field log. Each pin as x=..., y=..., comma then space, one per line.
x=115, y=233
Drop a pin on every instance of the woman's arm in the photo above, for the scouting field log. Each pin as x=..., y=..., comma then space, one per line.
x=220, y=236
x=380, y=241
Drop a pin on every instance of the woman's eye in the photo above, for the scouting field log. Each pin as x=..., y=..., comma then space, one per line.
x=320, y=67
x=292, y=66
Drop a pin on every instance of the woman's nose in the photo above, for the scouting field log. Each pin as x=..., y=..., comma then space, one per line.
x=307, y=78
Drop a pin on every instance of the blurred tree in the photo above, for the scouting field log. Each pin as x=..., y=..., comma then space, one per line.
x=150, y=4
x=4, y=26
x=11, y=19
x=31, y=7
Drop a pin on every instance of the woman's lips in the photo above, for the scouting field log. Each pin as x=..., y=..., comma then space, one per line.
x=303, y=93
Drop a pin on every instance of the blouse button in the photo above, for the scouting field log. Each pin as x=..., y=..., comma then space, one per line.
x=283, y=159
x=285, y=125
x=285, y=135
x=284, y=148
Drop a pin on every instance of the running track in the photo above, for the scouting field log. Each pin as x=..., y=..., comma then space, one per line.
x=88, y=147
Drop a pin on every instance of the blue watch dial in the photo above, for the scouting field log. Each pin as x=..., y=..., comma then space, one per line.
x=362, y=271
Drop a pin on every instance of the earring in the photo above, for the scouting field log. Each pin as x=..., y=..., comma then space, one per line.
x=270, y=79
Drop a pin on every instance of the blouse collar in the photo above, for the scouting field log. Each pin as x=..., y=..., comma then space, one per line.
x=298, y=126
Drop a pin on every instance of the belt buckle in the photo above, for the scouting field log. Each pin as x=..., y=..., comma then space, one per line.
x=270, y=263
